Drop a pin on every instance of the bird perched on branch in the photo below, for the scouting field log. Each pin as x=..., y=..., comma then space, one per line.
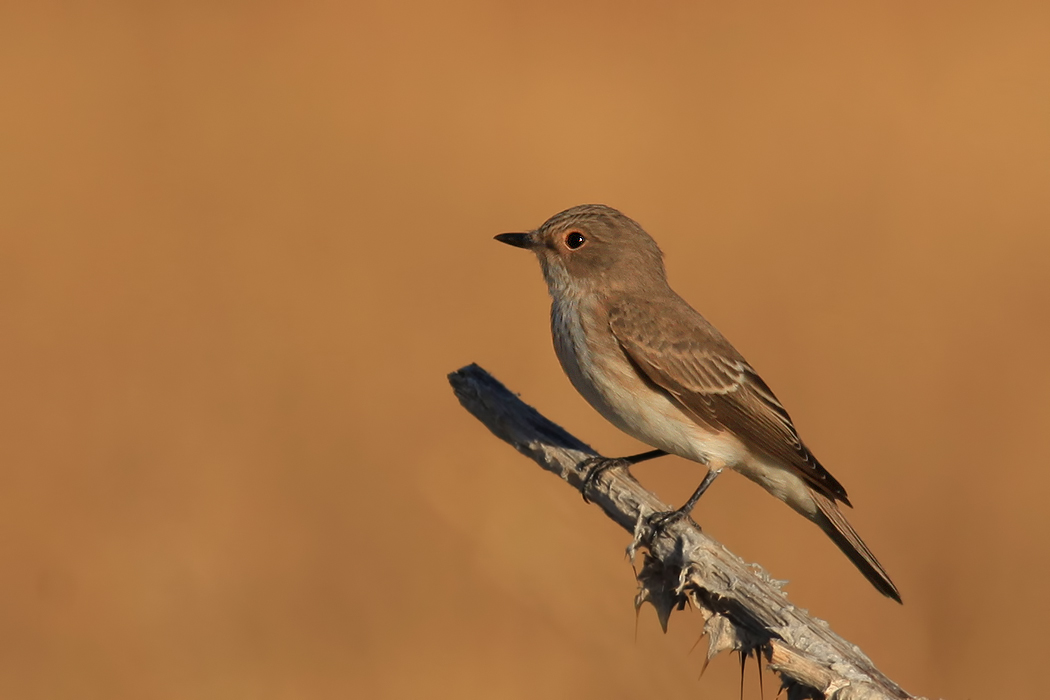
x=659, y=371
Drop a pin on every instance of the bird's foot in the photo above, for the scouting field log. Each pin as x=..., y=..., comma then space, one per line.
x=659, y=522
x=596, y=466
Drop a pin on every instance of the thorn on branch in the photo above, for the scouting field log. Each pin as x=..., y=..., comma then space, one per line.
x=744, y=610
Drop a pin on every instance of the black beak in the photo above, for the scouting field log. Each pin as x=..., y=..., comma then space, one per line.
x=518, y=240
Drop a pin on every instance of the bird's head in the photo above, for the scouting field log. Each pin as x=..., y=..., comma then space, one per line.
x=592, y=248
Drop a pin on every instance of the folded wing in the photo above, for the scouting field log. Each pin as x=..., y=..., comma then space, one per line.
x=698, y=367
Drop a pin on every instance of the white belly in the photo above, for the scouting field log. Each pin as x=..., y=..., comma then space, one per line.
x=598, y=368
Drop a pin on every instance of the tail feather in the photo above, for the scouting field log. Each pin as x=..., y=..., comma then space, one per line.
x=835, y=525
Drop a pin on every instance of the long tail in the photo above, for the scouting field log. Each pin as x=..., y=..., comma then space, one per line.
x=832, y=522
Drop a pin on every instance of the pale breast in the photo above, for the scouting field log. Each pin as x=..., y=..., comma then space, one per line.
x=601, y=372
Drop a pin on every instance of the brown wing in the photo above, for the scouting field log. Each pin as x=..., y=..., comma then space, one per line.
x=694, y=363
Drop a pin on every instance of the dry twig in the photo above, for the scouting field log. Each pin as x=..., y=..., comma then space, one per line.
x=744, y=609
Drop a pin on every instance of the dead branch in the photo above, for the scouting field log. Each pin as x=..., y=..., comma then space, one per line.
x=743, y=608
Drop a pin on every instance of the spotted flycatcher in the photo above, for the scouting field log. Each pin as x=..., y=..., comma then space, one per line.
x=656, y=369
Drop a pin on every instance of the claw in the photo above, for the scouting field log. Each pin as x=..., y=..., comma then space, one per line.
x=659, y=522
x=602, y=464
x=597, y=466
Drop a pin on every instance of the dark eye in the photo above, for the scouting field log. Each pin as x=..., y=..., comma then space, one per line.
x=574, y=240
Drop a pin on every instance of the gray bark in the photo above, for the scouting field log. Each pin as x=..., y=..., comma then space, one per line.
x=743, y=608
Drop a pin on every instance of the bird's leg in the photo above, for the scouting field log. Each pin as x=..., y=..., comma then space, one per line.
x=596, y=466
x=644, y=456
x=709, y=479
x=662, y=520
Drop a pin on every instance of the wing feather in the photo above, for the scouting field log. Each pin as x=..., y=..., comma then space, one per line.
x=714, y=383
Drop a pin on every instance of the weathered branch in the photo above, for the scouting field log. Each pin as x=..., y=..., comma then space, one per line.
x=744, y=609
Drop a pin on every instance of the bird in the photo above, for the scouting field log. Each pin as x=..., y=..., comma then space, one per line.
x=659, y=371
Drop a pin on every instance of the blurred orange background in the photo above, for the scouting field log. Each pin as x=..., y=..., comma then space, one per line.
x=243, y=243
